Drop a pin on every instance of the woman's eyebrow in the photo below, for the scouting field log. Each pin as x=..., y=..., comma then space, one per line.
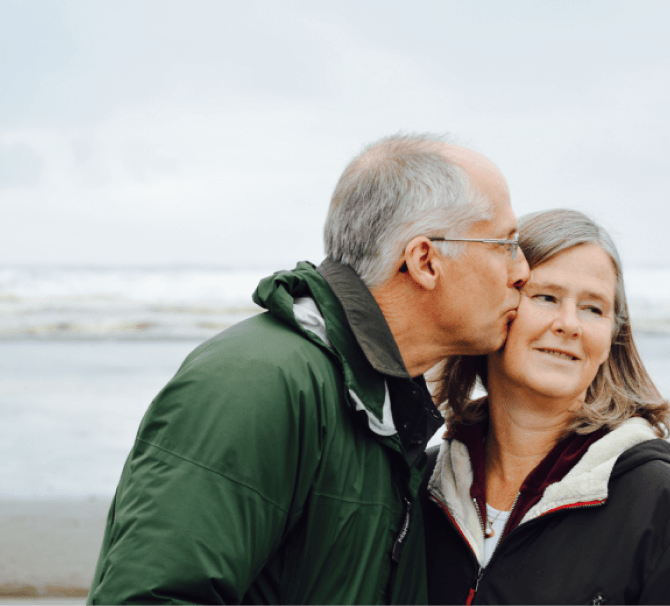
x=546, y=286
x=598, y=296
x=551, y=286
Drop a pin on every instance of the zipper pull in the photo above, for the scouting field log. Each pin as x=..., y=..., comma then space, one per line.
x=403, y=532
x=473, y=591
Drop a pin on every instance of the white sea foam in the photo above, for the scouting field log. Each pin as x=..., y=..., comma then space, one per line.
x=231, y=287
x=158, y=302
x=165, y=302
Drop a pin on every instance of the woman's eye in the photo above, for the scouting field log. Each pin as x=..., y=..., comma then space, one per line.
x=545, y=298
x=594, y=310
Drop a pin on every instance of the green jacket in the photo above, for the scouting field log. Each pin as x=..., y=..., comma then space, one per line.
x=268, y=471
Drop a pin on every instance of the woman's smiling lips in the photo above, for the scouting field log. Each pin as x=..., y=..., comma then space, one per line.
x=558, y=353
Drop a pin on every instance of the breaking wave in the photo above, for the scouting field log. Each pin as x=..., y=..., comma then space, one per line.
x=193, y=303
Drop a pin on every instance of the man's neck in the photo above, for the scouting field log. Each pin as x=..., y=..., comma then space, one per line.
x=412, y=331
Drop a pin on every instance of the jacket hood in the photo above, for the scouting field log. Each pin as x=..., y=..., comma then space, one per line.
x=652, y=450
x=588, y=480
x=303, y=300
x=633, y=443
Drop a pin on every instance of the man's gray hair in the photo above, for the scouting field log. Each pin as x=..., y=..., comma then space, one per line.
x=398, y=188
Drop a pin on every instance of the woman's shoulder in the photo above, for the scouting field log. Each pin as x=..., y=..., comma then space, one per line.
x=651, y=457
x=641, y=480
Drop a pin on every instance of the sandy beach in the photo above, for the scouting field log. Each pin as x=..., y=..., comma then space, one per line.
x=49, y=548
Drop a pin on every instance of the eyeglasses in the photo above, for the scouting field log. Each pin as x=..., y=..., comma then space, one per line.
x=511, y=246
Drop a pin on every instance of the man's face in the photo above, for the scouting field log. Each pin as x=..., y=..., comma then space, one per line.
x=480, y=293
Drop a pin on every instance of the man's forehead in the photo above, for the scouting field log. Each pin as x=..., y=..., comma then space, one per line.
x=507, y=221
x=484, y=174
x=503, y=223
x=464, y=155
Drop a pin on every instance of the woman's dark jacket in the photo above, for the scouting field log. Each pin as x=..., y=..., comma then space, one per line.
x=600, y=535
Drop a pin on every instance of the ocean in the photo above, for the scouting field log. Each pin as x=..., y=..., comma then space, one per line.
x=83, y=351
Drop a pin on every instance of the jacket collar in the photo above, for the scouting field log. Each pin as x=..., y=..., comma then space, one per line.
x=575, y=473
x=588, y=481
x=365, y=318
x=553, y=468
x=324, y=322
x=412, y=416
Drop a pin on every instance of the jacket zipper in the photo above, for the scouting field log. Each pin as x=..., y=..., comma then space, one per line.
x=479, y=515
x=446, y=511
x=584, y=505
x=480, y=569
x=480, y=572
x=473, y=591
x=397, y=546
x=502, y=534
x=395, y=554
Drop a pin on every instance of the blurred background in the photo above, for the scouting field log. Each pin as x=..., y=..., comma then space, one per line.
x=157, y=158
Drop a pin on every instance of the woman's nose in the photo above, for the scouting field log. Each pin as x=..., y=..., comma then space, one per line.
x=567, y=322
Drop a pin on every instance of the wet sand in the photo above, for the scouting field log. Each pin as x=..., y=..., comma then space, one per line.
x=49, y=548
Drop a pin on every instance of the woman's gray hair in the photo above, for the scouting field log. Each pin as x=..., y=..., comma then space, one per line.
x=398, y=188
x=622, y=388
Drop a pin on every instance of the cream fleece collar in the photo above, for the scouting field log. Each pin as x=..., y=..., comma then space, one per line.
x=586, y=482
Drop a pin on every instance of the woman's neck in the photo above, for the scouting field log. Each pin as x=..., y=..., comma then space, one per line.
x=520, y=435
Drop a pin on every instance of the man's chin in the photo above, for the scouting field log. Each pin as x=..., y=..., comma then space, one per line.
x=508, y=325
x=502, y=341
x=490, y=346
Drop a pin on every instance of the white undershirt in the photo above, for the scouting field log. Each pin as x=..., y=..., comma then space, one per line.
x=499, y=521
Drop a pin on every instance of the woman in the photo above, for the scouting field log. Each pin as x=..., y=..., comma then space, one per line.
x=555, y=488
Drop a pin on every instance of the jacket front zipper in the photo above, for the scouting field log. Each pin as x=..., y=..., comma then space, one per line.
x=473, y=591
x=481, y=569
x=403, y=531
x=480, y=573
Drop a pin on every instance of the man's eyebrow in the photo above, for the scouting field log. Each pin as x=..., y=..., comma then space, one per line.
x=511, y=233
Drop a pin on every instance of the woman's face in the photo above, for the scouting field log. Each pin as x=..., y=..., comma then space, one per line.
x=563, y=330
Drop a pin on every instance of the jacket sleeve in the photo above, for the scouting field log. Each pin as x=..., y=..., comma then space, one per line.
x=657, y=588
x=219, y=473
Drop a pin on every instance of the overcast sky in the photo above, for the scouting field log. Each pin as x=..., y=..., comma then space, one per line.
x=159, y=132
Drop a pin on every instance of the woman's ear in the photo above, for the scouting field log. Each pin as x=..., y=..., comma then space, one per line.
x=422, y=262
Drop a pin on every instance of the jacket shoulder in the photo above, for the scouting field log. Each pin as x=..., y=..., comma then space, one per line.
x=640, y=483
x=650, y=457
x=257, y=383
x=261, y=339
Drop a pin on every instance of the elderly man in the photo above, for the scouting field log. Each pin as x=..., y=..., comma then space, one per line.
x=281, y=463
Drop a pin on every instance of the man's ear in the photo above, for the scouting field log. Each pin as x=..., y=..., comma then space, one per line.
x=423, y=262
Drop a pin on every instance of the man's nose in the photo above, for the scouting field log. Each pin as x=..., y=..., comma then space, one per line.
x=519, y=271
